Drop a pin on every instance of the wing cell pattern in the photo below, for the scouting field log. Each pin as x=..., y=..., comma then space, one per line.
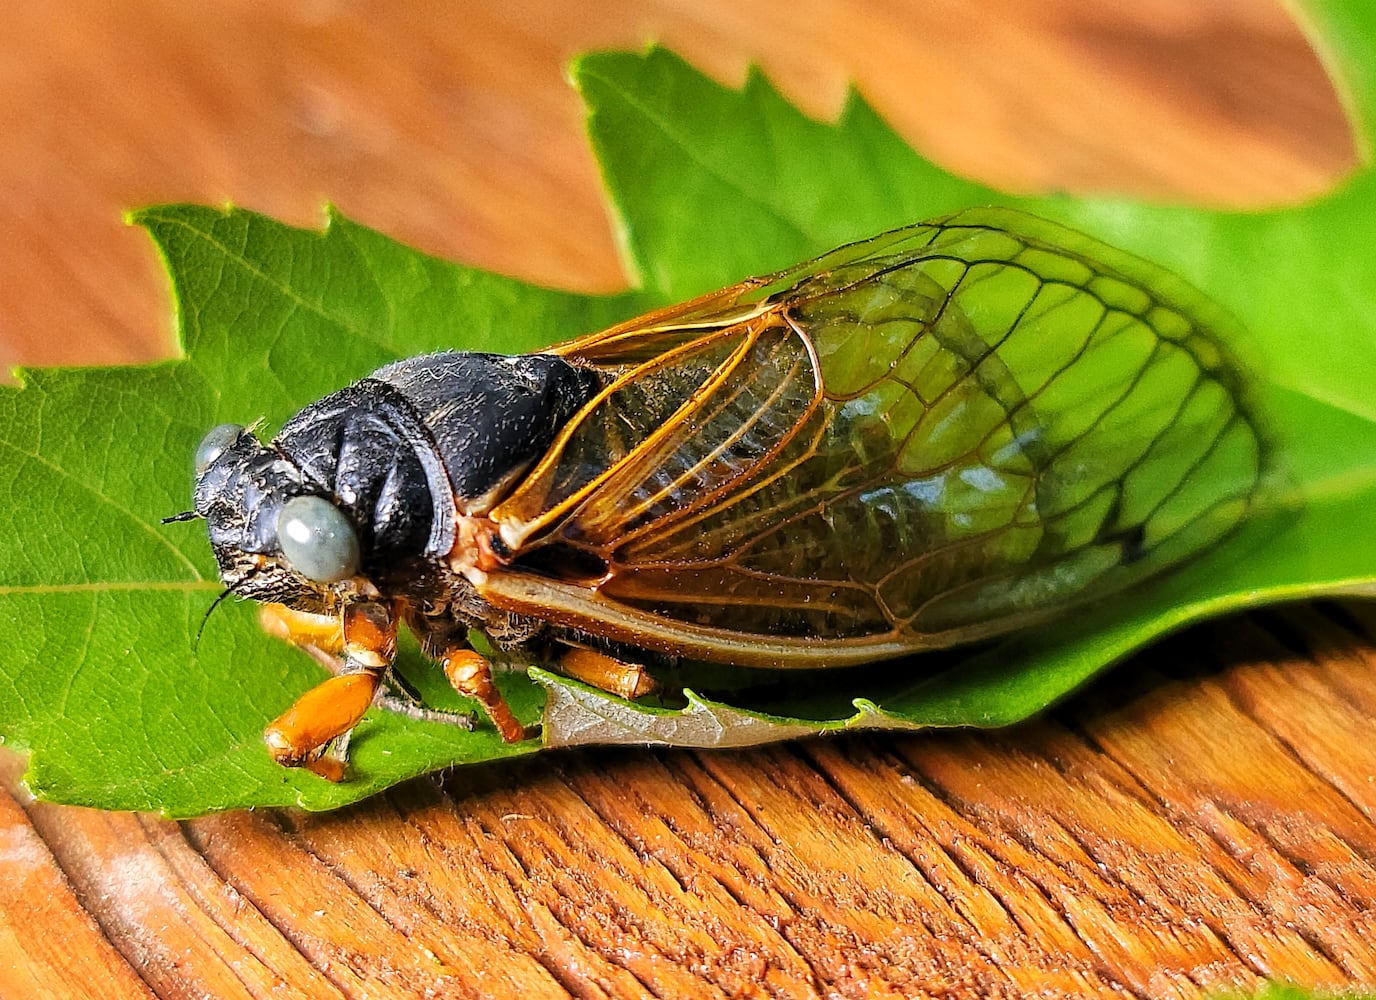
x=936, y=436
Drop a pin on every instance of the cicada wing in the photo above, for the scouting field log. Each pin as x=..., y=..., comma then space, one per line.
x=1129, y=423
x=668, y=435
x=730, y=358
x=652, y=335
x=935, y=436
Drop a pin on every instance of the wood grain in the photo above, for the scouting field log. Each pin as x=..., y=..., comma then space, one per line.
x=1203, y=817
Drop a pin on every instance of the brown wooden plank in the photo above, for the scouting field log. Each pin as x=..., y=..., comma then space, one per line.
x=186, y=932
x=48, y=940
x=1201, y=818
x=453, y=129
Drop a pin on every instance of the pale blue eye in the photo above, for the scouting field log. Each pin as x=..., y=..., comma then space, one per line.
x=317, y=539
x=213, y=445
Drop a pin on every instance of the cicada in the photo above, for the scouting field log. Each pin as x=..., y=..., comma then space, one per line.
x=936, y=436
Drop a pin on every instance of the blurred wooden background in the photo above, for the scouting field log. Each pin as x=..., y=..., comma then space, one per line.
x=1201, y=818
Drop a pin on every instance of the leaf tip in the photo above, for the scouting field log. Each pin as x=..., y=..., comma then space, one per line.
x=333, y=215
x=755, y=79
x=577, y=69
x=586, y=66
x=853, y=105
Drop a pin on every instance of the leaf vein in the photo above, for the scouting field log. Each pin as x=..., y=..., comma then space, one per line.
x=282, y=288
x=107, y=501
x=680, y=142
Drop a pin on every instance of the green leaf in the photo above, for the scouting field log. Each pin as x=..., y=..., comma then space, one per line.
x=105, y=682
x=101, y=603
x=1282, y=990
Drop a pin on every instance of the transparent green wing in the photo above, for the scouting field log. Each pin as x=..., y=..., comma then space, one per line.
x=935, y=436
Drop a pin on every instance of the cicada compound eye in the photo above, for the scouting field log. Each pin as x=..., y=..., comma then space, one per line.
x=317, y=539
x=214, y=444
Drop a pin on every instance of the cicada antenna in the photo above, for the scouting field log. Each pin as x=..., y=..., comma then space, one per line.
x=186, y=515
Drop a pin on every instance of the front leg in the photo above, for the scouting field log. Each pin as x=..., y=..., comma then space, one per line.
x=322, y=636
x=325, y=714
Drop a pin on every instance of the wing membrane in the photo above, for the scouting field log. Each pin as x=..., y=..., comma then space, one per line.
x=943, y=433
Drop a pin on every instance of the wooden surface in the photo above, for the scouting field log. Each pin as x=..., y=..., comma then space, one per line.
x=1202, y=817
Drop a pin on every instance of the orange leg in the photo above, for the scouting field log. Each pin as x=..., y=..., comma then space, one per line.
x=629, y=680
x=299, y=736
x=471, y=675
x=302, y=628
x=325, y=714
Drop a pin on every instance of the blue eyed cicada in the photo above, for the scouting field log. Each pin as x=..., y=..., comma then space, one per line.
x=932, y=437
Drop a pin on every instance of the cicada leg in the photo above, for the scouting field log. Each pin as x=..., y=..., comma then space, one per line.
x=325, y=715
x=322, y=636
x=628, y=680
x=471, y=674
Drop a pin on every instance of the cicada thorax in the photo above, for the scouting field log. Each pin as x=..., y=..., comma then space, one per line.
x=489, y=416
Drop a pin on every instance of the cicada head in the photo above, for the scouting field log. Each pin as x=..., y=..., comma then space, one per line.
x=361, y=491
x=275, y=538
